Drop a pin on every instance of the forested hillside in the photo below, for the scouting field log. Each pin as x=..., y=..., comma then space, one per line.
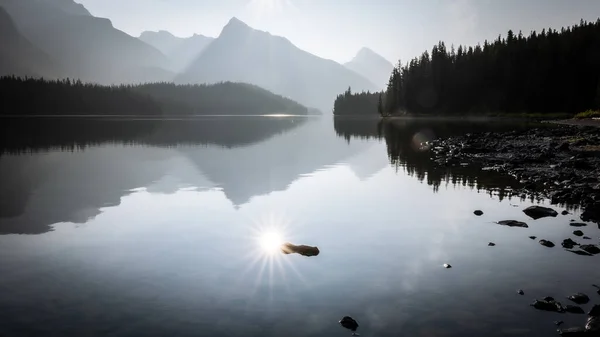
x=29, y=96
x=552, y=71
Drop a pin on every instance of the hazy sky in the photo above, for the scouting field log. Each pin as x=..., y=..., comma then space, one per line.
x=337, y=29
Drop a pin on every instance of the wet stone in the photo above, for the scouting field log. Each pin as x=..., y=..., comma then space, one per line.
x=512, y=223
x=547, y=243
x=478, y=212
x=579, y=298
x=578, y=233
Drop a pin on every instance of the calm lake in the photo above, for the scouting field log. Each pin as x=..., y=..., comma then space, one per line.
x=171, y=228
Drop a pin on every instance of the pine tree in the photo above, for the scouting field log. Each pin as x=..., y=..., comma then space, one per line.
x=380, y=106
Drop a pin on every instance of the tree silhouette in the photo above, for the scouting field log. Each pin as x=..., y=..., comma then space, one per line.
x=29, y=96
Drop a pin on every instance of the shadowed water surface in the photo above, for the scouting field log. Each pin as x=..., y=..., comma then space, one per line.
x=171, y=228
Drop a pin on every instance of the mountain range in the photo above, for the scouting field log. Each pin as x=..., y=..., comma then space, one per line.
x=181, y=51
x=60, y=38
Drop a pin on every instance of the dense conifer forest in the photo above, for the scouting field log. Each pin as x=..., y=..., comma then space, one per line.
x=32, y=96
x=552, y=71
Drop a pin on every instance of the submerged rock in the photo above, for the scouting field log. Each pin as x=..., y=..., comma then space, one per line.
x=512, y=223
x=572, y=332
x=538, y=212
x=565, y=212
x=586, y=238
x=288, y=248
x=574, y=309
x=557, y=323
x=478, y=212
x=547, y=243
x=592, y=249
x=491, y=244
x=520, y=292
x=578, y=233
x=533, y=237
x=577, y=224
x=579, y=298
x=580, y=252
x=568, y=243
x=349, y=323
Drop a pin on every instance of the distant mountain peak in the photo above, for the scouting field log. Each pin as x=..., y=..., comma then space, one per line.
x=236, y=25
x=371, y=65
x=366, y=53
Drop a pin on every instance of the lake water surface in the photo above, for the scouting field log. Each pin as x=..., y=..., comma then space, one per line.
x=171, y=228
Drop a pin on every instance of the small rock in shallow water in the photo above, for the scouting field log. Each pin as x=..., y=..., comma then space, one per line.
x=557, y=323
x=573, y=309
x=491, y=244
x=586, y=238
x=547, y=305
x=512, y=223
x=578, y=233
x=520, y=292
x=595, y=311
x=538, y=212
x=288, y=248
x=533, y=237
x=565, y=212
x=548, y=299
x=447, y=265
x=568, y=243
x=547, y=243
x=349, y=323
x=478, y=212
x=579, y=298
x=577, y=224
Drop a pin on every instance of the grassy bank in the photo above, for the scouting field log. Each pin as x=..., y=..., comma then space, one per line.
x=588, y=114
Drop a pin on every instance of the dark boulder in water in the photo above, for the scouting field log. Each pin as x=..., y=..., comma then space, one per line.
x=491, y=244
x=578, y=233
x=478, y=212
x=565, y=212
x=349, y=323
x=579, y=298
x=547, y=243
x=533, y=237
x=538, y=212
x=512, y=223
x=288, y=248
x=577, y=224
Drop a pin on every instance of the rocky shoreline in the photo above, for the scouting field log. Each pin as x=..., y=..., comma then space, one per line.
x=558, y=162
